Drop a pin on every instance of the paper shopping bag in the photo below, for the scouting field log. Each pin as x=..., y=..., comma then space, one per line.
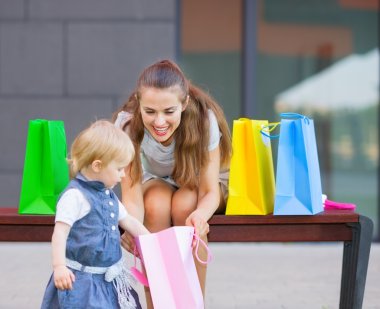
x=46, y=171
x=251, y=183
x=298, y=180
x=170, y=268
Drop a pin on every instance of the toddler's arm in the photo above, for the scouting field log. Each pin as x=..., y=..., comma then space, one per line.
x=133, y=226
x=63, y=277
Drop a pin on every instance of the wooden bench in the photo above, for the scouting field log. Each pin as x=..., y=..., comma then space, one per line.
x=354, y=230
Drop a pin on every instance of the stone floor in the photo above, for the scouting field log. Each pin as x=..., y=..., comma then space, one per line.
x=263, y=276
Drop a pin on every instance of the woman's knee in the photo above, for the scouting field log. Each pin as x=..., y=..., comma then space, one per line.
x=157, y=204
x=184, y=202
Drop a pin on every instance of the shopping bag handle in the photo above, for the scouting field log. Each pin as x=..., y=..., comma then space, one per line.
x=209, y=255
x=138, y=274
x=295, y=115
x=266, y=130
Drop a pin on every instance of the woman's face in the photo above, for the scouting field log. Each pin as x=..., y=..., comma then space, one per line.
x=161, y=113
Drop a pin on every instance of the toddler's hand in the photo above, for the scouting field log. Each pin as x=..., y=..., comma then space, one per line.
x=63, y=278
x=128, y=242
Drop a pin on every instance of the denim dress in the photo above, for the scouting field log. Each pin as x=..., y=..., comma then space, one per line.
x=94, y=240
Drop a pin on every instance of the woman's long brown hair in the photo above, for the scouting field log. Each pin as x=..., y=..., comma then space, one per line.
x=192, y=135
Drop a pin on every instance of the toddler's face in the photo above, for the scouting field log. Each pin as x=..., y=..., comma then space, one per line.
x=111, y=174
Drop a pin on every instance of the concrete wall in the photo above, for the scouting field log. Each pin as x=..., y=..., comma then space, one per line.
x=72, y=60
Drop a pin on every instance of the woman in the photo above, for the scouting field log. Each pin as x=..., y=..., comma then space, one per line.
x=181, y=176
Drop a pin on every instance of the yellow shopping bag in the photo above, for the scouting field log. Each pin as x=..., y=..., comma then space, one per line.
x=251, y=183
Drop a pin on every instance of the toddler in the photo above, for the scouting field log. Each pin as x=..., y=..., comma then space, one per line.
x=88, y=270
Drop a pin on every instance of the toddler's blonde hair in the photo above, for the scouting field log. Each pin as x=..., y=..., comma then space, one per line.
x=102, y=141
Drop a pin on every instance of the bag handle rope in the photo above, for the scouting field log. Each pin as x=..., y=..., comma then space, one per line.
x=295, y=115
x=139, y=275
x=209, y=255
x=266, y=130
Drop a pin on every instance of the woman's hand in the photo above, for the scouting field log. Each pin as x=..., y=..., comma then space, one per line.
x=201, y=227
x=63, y=278
x=128, y=242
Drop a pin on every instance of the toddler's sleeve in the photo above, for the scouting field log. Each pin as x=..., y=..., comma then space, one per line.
x=71, y=207
x=122, y=211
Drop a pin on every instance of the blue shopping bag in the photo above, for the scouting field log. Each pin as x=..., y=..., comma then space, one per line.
x=298, y=179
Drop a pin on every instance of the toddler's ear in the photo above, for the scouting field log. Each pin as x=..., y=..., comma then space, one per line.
x=96, y=166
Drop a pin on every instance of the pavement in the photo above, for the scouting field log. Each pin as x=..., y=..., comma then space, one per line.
x=251, y=275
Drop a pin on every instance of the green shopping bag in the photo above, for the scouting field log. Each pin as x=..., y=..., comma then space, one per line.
x=46, y=172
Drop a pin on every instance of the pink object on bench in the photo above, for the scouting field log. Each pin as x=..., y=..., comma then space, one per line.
x=328, y=204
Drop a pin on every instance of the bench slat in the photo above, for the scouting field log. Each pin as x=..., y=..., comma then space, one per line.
x=327, y=226
x=10, y=215
x=279, y=233
x=329, y=216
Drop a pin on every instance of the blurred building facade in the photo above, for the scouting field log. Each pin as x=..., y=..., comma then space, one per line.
x=74, y=61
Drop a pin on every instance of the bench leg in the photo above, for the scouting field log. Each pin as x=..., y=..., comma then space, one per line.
x=355, y=264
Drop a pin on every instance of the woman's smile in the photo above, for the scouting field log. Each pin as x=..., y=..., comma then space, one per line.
x=161, y=131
